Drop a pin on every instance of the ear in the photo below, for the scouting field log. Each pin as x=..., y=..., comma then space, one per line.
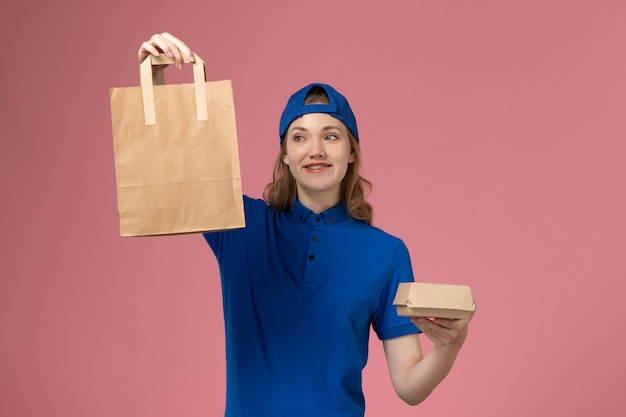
x=352, y=158
x=285, y=159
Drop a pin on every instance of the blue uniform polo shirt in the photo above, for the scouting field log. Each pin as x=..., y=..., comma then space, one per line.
x=300, y=292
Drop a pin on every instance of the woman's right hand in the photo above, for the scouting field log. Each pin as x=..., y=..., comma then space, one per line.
x=168, y=44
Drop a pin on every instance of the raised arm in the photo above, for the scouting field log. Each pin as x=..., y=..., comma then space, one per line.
x=414, y=376
x=168, y=44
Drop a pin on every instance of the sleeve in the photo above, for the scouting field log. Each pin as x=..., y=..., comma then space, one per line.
x=386, y=323
x=224, y=242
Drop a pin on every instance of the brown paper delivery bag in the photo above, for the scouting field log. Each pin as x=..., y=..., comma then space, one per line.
x=176, y=157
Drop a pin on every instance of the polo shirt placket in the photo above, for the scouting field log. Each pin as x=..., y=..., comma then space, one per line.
x=311, y=271
x=317, y=225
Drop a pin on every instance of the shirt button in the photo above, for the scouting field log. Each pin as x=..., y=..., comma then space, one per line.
x=331, y=221
x=300, y=218
x=317, y=220
x=314, y=238
x=311, y=257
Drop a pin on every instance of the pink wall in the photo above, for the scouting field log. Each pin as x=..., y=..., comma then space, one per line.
x=494, y=134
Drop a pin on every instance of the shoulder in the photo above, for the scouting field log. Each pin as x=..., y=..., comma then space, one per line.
x=372, y=232
x=254, y=203
x=256, y=211
x=255, y=207
x=371, y=239
x=261, y=216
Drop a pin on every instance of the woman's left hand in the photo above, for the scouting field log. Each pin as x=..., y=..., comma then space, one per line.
x=443, y=331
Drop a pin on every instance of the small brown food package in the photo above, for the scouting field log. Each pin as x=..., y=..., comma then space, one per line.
x=417, y=299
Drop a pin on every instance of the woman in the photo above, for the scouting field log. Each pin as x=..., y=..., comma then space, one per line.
x=309, y=275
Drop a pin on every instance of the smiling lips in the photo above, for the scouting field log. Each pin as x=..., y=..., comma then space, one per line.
x=317, y=167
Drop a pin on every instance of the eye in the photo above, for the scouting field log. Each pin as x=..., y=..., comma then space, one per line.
x=331, y=137
x=298, y=138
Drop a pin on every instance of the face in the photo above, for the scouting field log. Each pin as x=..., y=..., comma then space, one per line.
x=318, y=152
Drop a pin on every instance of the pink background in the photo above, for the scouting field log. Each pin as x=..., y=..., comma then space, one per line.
x=493, y=131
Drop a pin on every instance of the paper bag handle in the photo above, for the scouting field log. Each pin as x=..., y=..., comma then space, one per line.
x=147, y=86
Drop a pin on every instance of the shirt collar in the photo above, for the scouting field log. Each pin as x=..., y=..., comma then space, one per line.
x=330, y=216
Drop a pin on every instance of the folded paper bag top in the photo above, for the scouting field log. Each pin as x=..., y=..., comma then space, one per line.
x=417, y=299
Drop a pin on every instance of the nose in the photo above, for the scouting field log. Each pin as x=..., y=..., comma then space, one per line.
x=316, y=148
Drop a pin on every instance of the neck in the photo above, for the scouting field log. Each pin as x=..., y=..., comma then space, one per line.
x=318, y=203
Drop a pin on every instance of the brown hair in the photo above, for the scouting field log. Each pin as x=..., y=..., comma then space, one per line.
x=282, y=191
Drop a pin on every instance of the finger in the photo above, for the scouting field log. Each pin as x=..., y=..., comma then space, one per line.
x=459, y=325
x=145, y=50
x=168, y=44
x=163, y=44
x=427, y=327
x=421, y=322
x=436, y=332
x=445, y=323
x=158, y=45
x=431, y=323
x=434, y=336
x=154, y=46
x=180, y=45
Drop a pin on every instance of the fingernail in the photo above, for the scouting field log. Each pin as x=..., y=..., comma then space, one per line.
x=170, y=54
x=180, y=66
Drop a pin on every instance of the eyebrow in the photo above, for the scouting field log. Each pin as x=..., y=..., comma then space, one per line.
x=325, y=128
